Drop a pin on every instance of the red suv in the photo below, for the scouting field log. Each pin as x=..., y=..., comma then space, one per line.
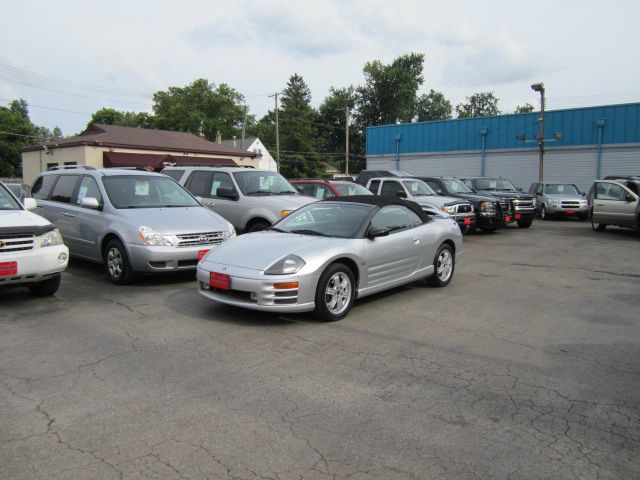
x=328, y=188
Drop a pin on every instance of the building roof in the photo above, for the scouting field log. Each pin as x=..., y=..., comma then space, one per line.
x=248, y=141
x=142, y=139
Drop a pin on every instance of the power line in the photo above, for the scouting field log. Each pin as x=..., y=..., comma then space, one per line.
x=50, y=108
x=26, y=136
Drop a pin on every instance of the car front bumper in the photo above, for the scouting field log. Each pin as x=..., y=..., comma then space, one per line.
x=33, y=266
x=164, y=259
x=582, y=210
x=254, y=290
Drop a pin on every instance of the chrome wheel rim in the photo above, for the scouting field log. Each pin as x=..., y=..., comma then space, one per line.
x=543, y=212
x=115, y=262
x=595, y=226
x=337, y=294
x=444, y=265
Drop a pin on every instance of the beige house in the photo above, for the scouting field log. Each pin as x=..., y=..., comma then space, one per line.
x=113, y=146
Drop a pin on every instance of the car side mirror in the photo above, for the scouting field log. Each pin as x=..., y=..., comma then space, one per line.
x=519, y=189
x=630, y=198
x=90, y=202
x=29, y=203
x=401, y=194
x=439, y=191
x=228, y=193
x=375, y=232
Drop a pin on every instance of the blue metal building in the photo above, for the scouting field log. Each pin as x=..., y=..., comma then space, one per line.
x=580, y=145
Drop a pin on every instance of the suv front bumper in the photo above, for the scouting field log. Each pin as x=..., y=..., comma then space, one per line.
x=33, y=266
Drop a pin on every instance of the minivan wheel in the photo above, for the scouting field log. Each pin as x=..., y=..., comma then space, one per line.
x=117, y=263
x=443, y=267
x=335, y=293
x=543, y=213
x=258, y=226
x=46, y=288
x=598, y=227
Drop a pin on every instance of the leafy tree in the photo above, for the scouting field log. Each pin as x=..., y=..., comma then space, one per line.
x=483, y=104
x=111, y=116
x=298, y=135
x=433, y=106
x=265, y=130
x=200, y=108
x=390, y=91
x=526, y=108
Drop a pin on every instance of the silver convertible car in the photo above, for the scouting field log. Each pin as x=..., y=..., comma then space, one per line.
x=326, y=254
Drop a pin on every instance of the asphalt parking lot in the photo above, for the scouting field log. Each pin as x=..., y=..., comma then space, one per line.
x=526, y=367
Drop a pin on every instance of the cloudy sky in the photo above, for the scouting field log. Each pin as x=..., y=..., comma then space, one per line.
x=70, y=58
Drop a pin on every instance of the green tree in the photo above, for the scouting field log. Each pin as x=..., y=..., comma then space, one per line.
x=483, y=104
x=390, y=91
x=433, y=106
x=298, y=136
x=200, y=108
x=111, y=116
x=526, y=108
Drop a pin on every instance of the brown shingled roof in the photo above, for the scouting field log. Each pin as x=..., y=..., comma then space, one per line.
x=142, y=139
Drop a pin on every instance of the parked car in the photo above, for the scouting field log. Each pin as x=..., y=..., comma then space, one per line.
x=559, y=199
x=365, y=175
x=488, y=210
x=32, y=252
x=327, y=188
x=131, y=221
x=614, y=202
x=323, y=256
x=421, y=193
x=523, y=204
x=250, y=199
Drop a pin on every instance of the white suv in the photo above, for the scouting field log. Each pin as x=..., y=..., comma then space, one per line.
x=32, y=253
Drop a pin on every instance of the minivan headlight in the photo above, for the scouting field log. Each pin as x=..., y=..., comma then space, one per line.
x=554, y=201
x=286, y=265
x=153, y=238
x=51, y=238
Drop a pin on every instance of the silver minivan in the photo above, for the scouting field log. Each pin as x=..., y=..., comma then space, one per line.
x=615, y=202
x=250, y=199
x=559, y=199
x=132, y=221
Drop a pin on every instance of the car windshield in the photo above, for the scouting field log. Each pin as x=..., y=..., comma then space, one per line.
x=418, y=188
x=351, y=189
x=326, y=219
x=263, y=183
x=455, y=186
x=561, y=189
x=7, y=202
x=141, y=191
x=494, y=184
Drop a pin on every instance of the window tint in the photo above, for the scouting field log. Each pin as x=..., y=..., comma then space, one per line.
x=42, y=187
x=64, y=187
x=375, y=184
x=610, y=191
x=304, y=188
x=221, y=180
x=198, y=184
x=324, y=192
x=175, y=174
x=389, y=189
x=88, y=188
x=395, y=217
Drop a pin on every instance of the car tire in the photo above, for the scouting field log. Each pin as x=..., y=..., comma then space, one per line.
x=335, y=293
x=525, y=223
x=47, y=287
x=258, y=226
x=598, y=227
x=543, y=213
x=443, y=267
x=117, y=263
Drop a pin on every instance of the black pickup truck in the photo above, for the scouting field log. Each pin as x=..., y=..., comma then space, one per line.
x=524, y=204
x=490, y=213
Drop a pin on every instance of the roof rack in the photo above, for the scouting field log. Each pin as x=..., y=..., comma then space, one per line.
x=218, y=165
x=327, y=180
x=71, y=167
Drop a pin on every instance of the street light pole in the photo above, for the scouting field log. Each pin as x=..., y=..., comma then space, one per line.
x=539, y=87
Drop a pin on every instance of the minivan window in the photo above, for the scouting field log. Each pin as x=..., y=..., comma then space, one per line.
x=88, y=188
x=198, y=183
x=64, y=187
x=141, y=191
x=42, y=187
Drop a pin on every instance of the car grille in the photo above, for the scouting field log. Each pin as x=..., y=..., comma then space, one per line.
x=17, y=242
x=464, y=208
x=570, y=204
x=522, y=203
x=200, y=239
x=505, y=206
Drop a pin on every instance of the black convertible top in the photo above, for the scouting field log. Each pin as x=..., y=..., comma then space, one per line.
x=380, y=202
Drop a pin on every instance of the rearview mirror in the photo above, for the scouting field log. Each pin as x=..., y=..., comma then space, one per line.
x=519, y=189
x=226, y=192
x=375, y=232
x=401, y=194
x=90, y=202
x=439, y=191
x=29, y=203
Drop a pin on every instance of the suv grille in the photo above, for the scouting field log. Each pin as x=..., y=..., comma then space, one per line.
x=200, y=239
x=464, y=208
x=570, y=204
x=505, y=206
x=522, y=203
x=16, y=242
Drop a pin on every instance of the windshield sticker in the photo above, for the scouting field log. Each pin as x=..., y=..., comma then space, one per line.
x=142, y=189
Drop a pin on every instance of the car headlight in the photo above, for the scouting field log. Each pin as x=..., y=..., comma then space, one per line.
x=51, y=238
x=584, y=201
x=230, y=233
x=555, y=202
x=286, y=265
x=153, y=238
x=450, y=209
x=487, y=207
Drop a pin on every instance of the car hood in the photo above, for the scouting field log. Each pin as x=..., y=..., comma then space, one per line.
x=176, y=220
x=285, y=202
x=436, y=200
x=21, y=218
x=507, y=194
x=259, y=250
x=474, y=197
x=560, y=197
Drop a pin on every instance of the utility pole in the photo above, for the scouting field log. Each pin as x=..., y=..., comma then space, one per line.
x=346, y=144
x=244, y=123
x=275, y=95
x=539, y=87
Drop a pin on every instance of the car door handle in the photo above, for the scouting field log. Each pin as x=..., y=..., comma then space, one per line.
x=70, y=215
x=416, y=241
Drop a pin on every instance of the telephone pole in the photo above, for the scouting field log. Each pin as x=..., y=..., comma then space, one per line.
x=275, y=95
x=539, y=87
x=244, y=123
x=346, y=144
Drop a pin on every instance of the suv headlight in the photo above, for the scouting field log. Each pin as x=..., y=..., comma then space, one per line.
x=51, y=238
x=488, y=207
x=230, y=233
x=153, y=238
x=286, y=265
x=450, y=209
x=533, y=201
